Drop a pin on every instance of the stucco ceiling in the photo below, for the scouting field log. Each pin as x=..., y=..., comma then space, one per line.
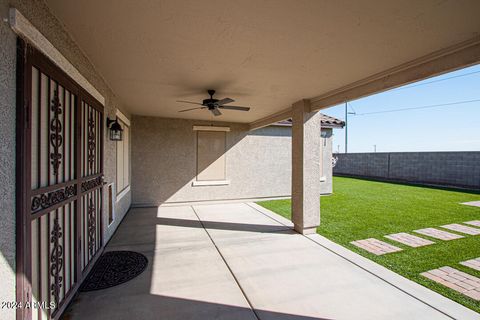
x=263, y=54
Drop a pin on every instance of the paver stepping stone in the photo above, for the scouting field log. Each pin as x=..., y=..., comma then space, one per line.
x=462, y=229
x=438, y=234
x=473, y=263
x=473, y=223
x=409, y=240
x=375, y=246
x=457, y=280
x=472, y=203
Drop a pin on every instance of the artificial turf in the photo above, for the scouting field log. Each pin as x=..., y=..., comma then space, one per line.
x=360, y=209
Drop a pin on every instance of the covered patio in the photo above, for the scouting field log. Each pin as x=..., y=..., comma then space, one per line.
x=72, y=71
x=241, y=261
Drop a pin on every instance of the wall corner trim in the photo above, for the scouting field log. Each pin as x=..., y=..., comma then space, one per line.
x=24, y=28
x=122, y=117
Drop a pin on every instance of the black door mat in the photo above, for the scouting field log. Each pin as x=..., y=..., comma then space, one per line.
x=114, y=268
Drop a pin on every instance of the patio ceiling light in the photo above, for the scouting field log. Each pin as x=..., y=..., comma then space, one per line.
x=115, y=130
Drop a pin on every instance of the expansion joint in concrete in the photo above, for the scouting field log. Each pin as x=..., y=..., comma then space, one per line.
x=227, y=265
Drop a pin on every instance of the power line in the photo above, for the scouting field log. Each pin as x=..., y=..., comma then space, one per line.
x=351, y=107
x=434, y=81
x=420, y=107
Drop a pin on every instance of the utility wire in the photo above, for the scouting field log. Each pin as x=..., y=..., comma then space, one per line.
x=420, y=107
x=434, y=81
x=351, y=107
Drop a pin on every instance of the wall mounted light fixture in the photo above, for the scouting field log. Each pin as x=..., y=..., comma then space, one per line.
x=115, y=130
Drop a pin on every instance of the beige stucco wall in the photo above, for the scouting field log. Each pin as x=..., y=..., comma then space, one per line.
x=38, y=14
x=7, y=164
x=258, y=163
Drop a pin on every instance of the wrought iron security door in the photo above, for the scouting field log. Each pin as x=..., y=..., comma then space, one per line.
x=60, y=147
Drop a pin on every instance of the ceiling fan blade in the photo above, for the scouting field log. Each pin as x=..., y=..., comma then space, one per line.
x=192, y=109
x=235, y=108
x=216, y=112
x=224, y=101
x=182, y=101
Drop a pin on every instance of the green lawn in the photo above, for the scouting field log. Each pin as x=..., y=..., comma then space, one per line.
x=360, y=209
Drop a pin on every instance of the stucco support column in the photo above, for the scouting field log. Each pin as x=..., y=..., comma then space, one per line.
x=306, y=144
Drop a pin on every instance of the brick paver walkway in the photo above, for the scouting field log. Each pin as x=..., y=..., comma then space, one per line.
x=473, y=223
x=375, y=246
x=462, y=229
x=456, y=280
x=409, y=240
x=473, y=263
x=438, y=234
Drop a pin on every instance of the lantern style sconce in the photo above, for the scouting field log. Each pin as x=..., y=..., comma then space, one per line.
x=115, y=130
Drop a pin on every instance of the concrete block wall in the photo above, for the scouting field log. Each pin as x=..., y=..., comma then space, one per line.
x=461, y=169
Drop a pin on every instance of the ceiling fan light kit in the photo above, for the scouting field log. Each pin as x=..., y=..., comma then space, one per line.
x=213, y=105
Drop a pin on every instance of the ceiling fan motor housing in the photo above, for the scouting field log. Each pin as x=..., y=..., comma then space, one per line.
x=210, y=103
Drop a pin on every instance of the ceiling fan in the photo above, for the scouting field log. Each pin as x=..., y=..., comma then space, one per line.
x=214, y=104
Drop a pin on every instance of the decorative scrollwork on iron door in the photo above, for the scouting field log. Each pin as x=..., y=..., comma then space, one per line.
x=56, y=260
x=46, y=200
x=92, y=226
x=56, y=138
x=90, y=184
x=91, y=140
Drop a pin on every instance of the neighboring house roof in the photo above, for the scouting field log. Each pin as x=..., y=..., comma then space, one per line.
x=327, y=122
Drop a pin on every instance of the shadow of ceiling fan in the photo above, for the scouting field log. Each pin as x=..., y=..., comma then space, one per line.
x=213, y=105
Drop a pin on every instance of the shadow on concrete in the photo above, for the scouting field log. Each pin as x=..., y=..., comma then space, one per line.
x=261, y=228
x=142, y=298
x=176, y=308
x=172, y=308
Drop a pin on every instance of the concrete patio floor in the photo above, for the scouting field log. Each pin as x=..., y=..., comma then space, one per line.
x=238, y=261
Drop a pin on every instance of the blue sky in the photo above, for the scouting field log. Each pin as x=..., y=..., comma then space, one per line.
x=443, y=128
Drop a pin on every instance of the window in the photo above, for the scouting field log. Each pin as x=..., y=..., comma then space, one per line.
x=123, y=156
x=211, y=159
x=110, y=204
